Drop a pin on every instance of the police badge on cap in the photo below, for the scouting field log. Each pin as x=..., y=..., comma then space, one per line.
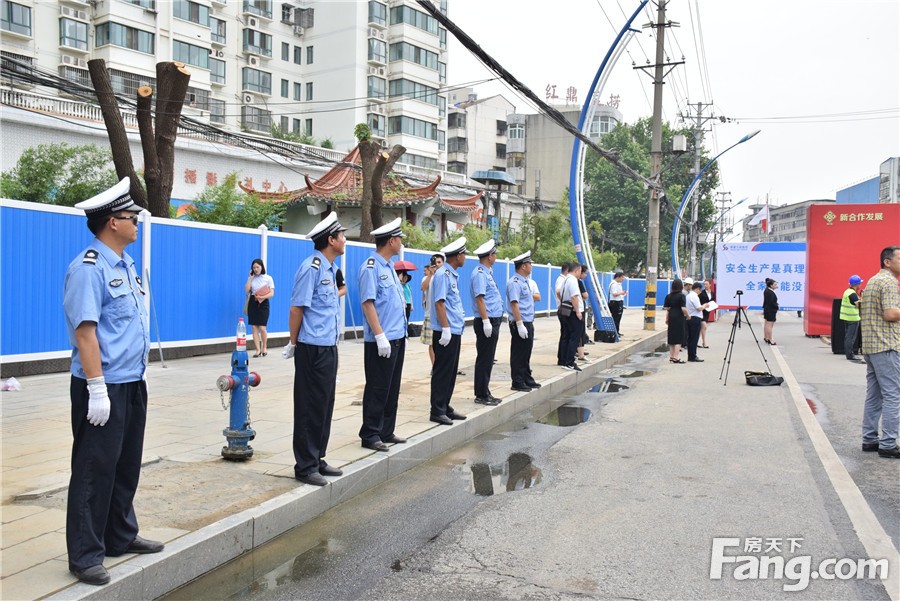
x=327, y=227
x=110, y=201
x=525, y=257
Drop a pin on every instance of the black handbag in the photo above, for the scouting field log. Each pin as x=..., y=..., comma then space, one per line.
x=762, y=378
x=566, y=308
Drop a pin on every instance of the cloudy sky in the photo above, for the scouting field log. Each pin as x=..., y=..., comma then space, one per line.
x=820, y=79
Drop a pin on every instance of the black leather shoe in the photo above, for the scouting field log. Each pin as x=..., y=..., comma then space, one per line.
x=491, y=401
x=442, y=420
x=328, y=470
x=869, y=447
x=96, y=575
x=494, y=399
x=532, y=384
x=454, y=415
x=393, y=438
x=376, y=446
x=520, y=388
x=889, y=453
x=313, y=479
x=142, y=545
x=695, y=360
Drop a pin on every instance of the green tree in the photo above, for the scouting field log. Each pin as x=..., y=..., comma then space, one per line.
x=226, y=204
x=618, y=204
x=59, y=174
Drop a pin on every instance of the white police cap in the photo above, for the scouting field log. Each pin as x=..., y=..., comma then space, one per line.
x=456, y=247
x=389, y=230
x=118, y=198
x=487, y=248
x=327, y=227
x=525, y=257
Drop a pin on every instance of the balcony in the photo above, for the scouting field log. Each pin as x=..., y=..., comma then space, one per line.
x=260, y=9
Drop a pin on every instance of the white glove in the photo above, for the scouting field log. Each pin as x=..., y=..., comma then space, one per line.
x=445, y=337
x=523, y=333
x=288, y=350
x=98, y=402
x=488, y=328
x=384, y=347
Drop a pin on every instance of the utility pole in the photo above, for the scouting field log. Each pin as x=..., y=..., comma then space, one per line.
x=699, y=120
x=656, y=163
x=723, y=199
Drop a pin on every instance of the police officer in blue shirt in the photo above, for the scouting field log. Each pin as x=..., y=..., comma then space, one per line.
x=488, y=306
x=447, y=322
x=103, y=301
x=314, y=326
x=384, y=328
x=520, y=304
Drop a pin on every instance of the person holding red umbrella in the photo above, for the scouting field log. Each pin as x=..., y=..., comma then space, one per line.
x=403, y=268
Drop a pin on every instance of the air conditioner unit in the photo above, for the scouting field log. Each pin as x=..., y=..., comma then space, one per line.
x=381, y=71
x=251, y=21
x=220, y=54
x=373, y=33
x=248, y=99
x=81, y=63
x=373, y=70
x=67, y=60
x=253, y=60
x=298, y=31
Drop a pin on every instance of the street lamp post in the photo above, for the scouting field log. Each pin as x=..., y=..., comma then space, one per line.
x=676, y=267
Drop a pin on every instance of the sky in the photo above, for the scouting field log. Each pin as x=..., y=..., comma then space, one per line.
x=820, y=79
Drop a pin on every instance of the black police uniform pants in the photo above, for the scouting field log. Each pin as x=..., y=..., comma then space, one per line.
x=106, y=466
x=486, y=349
x=315, y=371
x=382, y=390
x=563, y=340
x=574, y=328
x=617, y=308
x=443, y=376
x=520, y=354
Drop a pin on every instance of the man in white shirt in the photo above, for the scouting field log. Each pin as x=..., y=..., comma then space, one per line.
x=570, y=296
x=563, y=334
x=617, y=299
x=695, y=317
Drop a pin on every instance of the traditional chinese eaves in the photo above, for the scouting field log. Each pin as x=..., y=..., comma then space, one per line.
x=341, y=186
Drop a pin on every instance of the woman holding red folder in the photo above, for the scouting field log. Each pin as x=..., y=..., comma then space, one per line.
x=261, y=288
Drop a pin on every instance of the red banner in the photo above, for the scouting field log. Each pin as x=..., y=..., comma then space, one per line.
x=843, y=240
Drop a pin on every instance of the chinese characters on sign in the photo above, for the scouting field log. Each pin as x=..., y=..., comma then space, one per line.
x=782, y=272
x=571, y=94
x=743, y=266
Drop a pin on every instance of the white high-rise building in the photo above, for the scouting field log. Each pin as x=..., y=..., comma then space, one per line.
x=314, y=67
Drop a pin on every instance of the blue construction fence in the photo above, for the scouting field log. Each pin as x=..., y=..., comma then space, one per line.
x=194, y=274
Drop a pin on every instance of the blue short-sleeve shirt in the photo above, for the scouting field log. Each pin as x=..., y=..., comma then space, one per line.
x=103, y=288
x=482, y=284
x=445, y=287
x=315, y=289
x=519, y=291
x=378, y=282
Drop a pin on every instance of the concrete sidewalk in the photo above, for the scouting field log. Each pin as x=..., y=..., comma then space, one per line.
x=208, y=510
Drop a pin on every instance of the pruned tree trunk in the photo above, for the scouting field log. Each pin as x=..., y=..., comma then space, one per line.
x=115, y=129
x=384, y=162
x=158, y=146
x=368, y=154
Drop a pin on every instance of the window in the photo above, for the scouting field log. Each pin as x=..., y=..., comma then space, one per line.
x=262, y=8
x=15, y=18
x=217, y=34
x=501, y=127
x=285, y=51
x=308, y=130
x=501, y=151
x=145, y=4
x=377, y=123
x=80, y=76
x=601, y=124
x=73, y=34
x=456, y=167
x=457, y=145
x=377, y=50
x=419, y=161
x=114, y=34
x=516, y=131
x=298, y=55
x=404, y=51
x=256, y=81
x=442, y=106
x=416, y=18
x=257, y=42
x=413, y=90
x=442, y=72
x=298, y=91
x=284, y=124
x=191, y=11
x=413, y=127
x=442, y=139
x=255, y=118
x=190, y=54
x=287, y=16
x=285, y=87
x=309, y=90
x=377, y=13
x=295, y=127
x=376, y=87
x=217, y=71
x=198, y=98
x=456, y=120
x=442, y=34
x=309, y=55
x=126, y=83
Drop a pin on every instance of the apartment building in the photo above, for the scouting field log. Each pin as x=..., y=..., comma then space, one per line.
x=313, y=67
x=788, y=222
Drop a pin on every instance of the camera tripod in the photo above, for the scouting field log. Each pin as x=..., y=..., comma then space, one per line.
x=726, y=361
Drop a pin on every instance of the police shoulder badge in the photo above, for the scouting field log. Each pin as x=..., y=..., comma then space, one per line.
x=370, y=263
x=316, y=262
x=90, y=257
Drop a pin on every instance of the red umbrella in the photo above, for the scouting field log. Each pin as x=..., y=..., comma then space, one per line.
x=404, y=266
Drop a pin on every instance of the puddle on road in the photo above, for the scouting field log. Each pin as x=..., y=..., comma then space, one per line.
x=662, y=348
x=817, y=407
x=657, y=354
x=608, y=385
x=516, y=473
x=624, y=372
x=566, y=415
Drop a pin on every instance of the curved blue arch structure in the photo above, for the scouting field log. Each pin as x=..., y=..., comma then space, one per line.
x=676, y=227
x=576, y=203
